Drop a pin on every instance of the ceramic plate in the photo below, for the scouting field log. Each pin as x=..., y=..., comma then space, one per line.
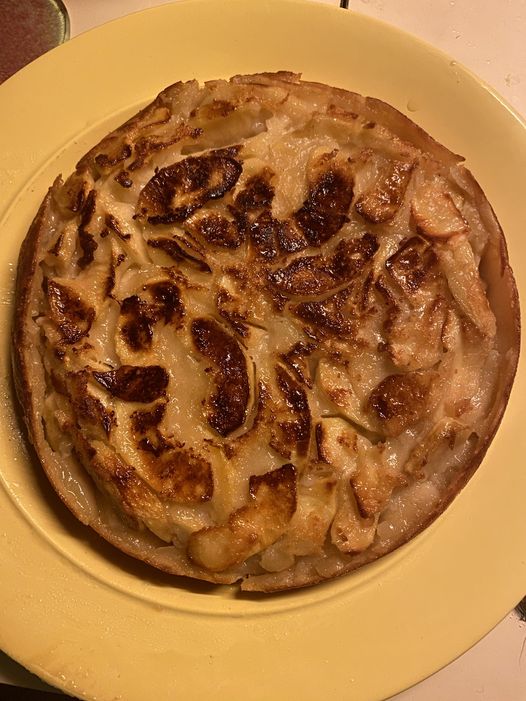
x=101, y=626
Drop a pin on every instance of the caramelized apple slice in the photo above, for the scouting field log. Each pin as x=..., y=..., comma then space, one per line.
x=68, y=310
x=325, y=209
x=414, y=265
x=371, y=475
x=122, y=484
x=414, y=337
x=307, y=531
x=337, y=444
x=181, y=249
x=250, y=529
x=434, y=211
x=175, y=192
x=442, y=438
x=350, y=532
x=135, y=383
x=227, y=406
x=345, y=392
x=292, y=417
x=314, y=275
x=400, y=401
x=459, y=265
x=382, y=201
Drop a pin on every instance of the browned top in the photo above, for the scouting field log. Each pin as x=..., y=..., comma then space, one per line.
x=274, y=325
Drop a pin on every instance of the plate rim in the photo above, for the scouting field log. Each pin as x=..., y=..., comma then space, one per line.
x=117, y=26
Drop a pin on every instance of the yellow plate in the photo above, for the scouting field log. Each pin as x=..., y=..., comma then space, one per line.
x=101, y=626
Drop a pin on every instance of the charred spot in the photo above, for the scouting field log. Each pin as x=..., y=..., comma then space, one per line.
x=124, y=180
x=176, y=191
x=413, y=264
x=180, y=250
x=219, y=231
x=72, y=195
x=148, y=145
x=140, y=317
x=123, y=478
x=110, y=280
x=87, y=241
x=142, y=421
x=291, y=238
x=155, y=444
x=226, y=306
x=108, y=420
x=279, y=300
x=228, y=151
x=294, y=394
x=88, y=246
x=387, y=294
x=462, y=406
x=55, y=249
x=67, y=309
x=392, y=395
x=88, y=408
x=320, y=443
x=239, y=273
x=297, y=431
x=88, y=208
x=326, y=316
x=148, y=437
x=168, y=299
x=177, y=473
x=337, y=111
x=269, y=236
x=82, y=348
x=120, y=152
x=88, y=452
x=324, y=212
x=228, y=403
x=115, y=261
x=134, y=383
x=258, y=193
x=114, y=225
x=58, y=383
x=145, y=146
x=365, y=292
x=295, y=359
x=264, y=235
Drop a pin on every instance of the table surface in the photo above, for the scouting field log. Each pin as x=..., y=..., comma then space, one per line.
x=488, y=38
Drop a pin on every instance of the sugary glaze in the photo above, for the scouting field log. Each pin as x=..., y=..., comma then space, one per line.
x=273, y=322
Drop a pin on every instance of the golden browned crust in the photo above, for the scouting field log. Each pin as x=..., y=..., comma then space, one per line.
x=265, y=332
